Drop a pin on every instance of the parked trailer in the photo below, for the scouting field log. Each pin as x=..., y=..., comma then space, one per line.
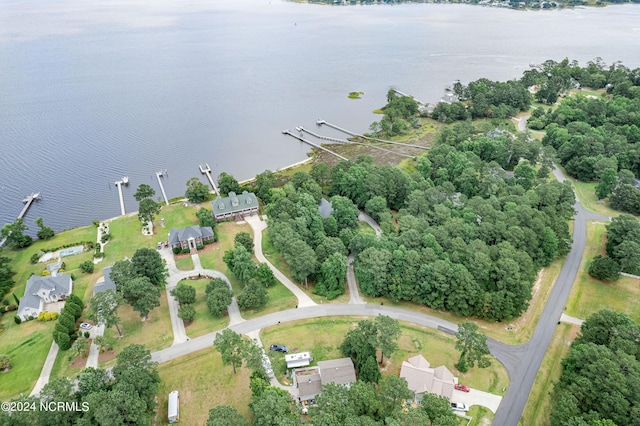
x=174, y=407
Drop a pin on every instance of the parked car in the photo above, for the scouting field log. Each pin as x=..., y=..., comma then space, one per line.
x=279, y=348
x=85, y=326
x=463, y=388
x=459, y=406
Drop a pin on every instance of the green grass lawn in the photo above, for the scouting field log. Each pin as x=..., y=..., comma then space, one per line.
x=27, y=345
x=204, y=322
x=322, y=337
x=177, y=216
x=589, y=295
x=204, y=383
x=184, y=263
x=366, y=228
x=538, y=405
x=155, y=333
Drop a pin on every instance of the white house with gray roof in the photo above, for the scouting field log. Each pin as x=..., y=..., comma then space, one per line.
x=43, y=290
x=235, y=205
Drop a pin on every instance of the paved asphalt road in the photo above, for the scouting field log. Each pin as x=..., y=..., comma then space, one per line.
x=523, y=373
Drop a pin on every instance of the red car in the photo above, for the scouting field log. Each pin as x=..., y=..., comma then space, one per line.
x=463, y=388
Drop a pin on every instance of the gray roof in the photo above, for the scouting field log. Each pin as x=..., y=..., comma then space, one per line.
x=340, y=371
x=234, y=203
x=107, y=284
x=184, y=234
x=636, y=183
x=309, y=386
x=325, y=208
x=55, y=285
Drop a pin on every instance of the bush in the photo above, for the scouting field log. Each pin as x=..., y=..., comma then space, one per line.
x=11, y=307
x=45, y=273
x=34, y=258
x=177, y=250
x=186, y=251
x=604, y=268
x=17, y=319
x=87, y=334
x=87, y=267
x=105, y=238
x=207, y=242
x=187, y=313
x=199, y=247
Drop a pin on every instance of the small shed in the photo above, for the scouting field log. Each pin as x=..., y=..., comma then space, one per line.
x=174, y=407
x=301, y=359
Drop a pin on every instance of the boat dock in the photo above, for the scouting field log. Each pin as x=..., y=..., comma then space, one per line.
x=408, y=95
x=348, y=142
x=207, y=171
x=321, y=122
x=301, y=139
x=158, y=176
x=118, y=184
x=28, y=201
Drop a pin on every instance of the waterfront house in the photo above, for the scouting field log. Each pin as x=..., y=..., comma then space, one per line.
x=190, y=237
x=106, y=284
x=235, y=206
x=41, y=291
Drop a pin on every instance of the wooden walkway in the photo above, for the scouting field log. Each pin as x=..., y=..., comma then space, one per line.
x=321, y=122
x=301, y=139
x=207, y=171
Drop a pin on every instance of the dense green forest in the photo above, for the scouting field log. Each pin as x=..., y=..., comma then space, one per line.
x=459, y=233
x=600, y=381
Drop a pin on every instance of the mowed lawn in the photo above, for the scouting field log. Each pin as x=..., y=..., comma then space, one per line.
x=204, y=383
x=27, y=345
x=155, y=333
x=204, y=322
x=323, y=336
x=589, y=295
x=280, y=298
x=538, y=407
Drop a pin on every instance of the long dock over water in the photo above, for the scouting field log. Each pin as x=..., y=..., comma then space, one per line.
x=408, y=95
x=321, y=122
x=301, y=139
x=207, y=171
x=158, y=176
x=348, y=142
x=28, y=201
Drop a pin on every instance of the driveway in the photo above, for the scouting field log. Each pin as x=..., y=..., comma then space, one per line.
x=477, y=397
x=257, y=225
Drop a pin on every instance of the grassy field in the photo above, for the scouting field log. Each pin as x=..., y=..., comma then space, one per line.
x=538, y=405
x=184, y=263
x=589, y=295
x=155, y=333
x=322, y=337
x=203, y=382
x=514, y=332
x=27, y=345
x=204, y=322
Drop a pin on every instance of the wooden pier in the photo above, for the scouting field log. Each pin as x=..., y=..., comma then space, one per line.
x=118, y=185
x=321, y=122
x=207, y=171
x=159, y=175
x=408, y=95
x=348, y=142
x=28, y=201
x=301, y=139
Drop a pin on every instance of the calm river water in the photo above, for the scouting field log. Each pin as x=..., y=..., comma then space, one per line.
x=91, y=91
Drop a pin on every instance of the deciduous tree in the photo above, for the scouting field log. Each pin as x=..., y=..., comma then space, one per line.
x=104, y=309
x=227, y=183
x=604, y=268
x=473, y=347
x=197, y=192
x=225, y=415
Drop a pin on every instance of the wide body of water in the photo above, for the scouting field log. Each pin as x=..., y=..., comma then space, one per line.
x=91, y=91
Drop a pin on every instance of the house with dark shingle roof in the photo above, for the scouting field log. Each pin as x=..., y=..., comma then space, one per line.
x=190, y=237
x=42, y=290
x=235, y=205
x=105, y=285
x=310, y=380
